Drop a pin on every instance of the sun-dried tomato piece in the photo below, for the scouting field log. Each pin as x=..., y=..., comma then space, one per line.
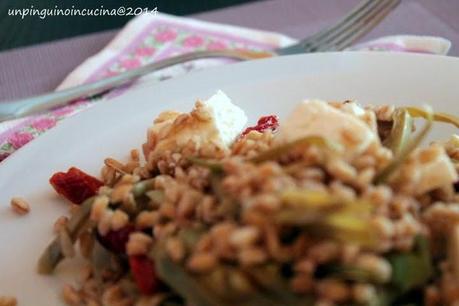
x=115, y=241
x=264, y=123
x=144, y=273
x=75, y=185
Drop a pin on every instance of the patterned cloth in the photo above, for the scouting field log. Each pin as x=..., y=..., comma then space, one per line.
x=148, y=38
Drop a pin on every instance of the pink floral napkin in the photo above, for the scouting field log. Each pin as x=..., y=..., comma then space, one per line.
x=148, y=38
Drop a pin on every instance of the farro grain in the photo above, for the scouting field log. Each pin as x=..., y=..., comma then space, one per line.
x=187, y=204
x=363, y=293
x=349, y=253
x=135, y=154
x=105, y=191
x=85, y=273
x=119, y=220
x=20, y=206
x=129, y=203
x=129, y=179
x=449, y=288
x=60, y=223
x=244, y=236
x=204, y=244
x=313, y=173
x=341, y=170
x=240, y=283
x=167, y=210
x=104, y=224
x=305, y=266
x=364, y=161
x=179, y=173
x=302, y=284
x=113, y=295
x=201, y=262
x=342, y=191
x=147, y=219
x=115, y=165
x=273, y=246
x=71, y=295
x=138, y=244
x=175, y=249
x=333, y=290
x=379, y=266
x=108, y=175
x=251, y=256
x=253, y=217
x=380, y=196
x=220, y=239
x=266, y=202
x=207, y=209
x=161, y=231
x=91, y=290
x=403, y=244
x=365, y=177
x=432, y=296
x=384, y=227
x=440, y=217
x=98, y=207
x=323, y=252
x=130, y=166
x=172, y=193
x=120, y=193
x=299, y=247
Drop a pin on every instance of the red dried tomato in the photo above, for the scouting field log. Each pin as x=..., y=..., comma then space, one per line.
x=115, y=241
x=264, y=123
x=75, y=185
x=144, y=273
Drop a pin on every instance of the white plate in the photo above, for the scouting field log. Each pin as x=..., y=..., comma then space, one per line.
x=112, y=128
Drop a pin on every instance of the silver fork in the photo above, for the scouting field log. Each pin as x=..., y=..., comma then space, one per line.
x=358, y=22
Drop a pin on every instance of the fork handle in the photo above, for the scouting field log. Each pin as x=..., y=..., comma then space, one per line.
x=27, y=106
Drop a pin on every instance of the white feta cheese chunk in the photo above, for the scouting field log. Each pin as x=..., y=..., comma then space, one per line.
x=318, y=118
x=216, y=122
x=354, y=108
x=434, y=169
x=228, y=119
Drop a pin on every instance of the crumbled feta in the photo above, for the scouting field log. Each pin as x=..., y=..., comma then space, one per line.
x=228, y=119
x=318, y=118
x=452, y=145
x=433, y=167
x=353, y=107
x=216, y=122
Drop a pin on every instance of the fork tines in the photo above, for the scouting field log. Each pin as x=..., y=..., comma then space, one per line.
x=357, y=23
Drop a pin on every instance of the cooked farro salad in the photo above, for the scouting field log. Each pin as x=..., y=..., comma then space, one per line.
x=337, y=204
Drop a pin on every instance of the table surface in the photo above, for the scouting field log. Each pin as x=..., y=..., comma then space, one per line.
x=38, y=69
